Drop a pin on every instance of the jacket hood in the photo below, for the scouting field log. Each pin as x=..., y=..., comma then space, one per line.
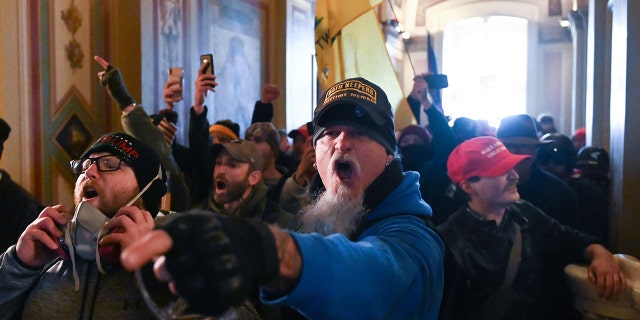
x=403, y=200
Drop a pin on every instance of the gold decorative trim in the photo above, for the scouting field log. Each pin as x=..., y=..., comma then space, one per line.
x=73, y=20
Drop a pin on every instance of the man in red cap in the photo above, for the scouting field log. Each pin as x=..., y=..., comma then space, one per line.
x=509, y=254
x=299, y=137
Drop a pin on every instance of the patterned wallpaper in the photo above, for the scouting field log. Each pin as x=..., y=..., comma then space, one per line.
x=63, y=36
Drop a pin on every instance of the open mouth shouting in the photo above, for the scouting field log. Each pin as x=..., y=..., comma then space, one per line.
x=220, y=184
x=89, y=192
x=344, y=170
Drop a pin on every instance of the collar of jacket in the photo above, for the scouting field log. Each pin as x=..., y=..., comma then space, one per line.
x=383, y=185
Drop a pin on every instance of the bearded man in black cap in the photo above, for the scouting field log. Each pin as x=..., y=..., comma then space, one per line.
x=238, y=188
x=67, y=265
x=18, y=207
x=370, y=256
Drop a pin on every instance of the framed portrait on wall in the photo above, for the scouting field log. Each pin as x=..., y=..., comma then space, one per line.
x=177, y=32
x=236, y=41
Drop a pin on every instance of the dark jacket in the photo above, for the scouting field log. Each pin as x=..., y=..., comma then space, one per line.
x=18, y=209
x=552, y=195
x=435, y=186
x=481, y=250
x=257, y=205
x=138, y=124
x=196, y=161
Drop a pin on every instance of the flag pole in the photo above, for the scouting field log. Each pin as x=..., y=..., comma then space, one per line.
x=404, y=41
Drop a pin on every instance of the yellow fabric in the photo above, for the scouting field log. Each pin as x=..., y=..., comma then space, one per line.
x=350, y=43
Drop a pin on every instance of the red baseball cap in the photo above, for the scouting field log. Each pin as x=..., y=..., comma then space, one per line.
x=485, y=157
x=303, y=131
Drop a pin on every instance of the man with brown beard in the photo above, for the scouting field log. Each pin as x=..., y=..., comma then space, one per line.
x=238, y=189
x=371, y=255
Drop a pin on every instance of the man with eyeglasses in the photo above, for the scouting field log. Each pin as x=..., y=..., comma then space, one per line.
x=366, y=251
x=66, y=265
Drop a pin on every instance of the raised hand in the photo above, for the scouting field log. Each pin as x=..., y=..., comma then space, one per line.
x=204, y=83
x=420, y=91
x=270, y=92
x=172, y=91
x=112, y=80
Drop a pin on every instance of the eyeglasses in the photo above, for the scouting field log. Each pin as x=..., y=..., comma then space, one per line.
x=105, y=163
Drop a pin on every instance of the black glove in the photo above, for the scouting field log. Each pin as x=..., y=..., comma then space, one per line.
x=112, y=79
x=169, y=114
x=217, y=261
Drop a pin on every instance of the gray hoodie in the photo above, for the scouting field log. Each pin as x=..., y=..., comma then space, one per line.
x=48, y=292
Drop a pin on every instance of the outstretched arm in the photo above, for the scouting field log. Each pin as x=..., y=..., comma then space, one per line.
x=196, y=246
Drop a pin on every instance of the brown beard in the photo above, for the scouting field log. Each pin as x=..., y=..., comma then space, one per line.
x=234, y=192
x=334, y=213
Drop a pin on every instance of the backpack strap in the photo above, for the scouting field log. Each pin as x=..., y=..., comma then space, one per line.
x=497, y=303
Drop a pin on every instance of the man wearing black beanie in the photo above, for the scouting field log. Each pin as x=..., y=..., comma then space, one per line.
x=67, y=264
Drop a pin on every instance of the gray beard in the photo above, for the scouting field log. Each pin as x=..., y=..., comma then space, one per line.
x=333, y=213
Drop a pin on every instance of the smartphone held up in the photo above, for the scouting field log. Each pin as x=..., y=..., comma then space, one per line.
x=207, y=59
x=436, y=81
x=177, y=74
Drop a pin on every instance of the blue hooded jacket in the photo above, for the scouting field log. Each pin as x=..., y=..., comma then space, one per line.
x=394, y=270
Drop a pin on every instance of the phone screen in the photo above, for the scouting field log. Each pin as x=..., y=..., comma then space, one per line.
x=207, y=58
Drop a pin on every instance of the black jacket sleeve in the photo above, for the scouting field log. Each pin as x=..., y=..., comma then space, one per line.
x=262, y=112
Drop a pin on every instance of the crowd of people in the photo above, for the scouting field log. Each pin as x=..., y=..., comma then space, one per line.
x=352, y=220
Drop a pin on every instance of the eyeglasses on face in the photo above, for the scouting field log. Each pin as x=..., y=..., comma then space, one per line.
x=104, y=163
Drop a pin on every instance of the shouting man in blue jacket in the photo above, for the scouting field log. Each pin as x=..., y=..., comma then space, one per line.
x=366, y=252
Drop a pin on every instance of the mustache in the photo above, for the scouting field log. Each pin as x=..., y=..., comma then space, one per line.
x=82, y=186
x=339, y=157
